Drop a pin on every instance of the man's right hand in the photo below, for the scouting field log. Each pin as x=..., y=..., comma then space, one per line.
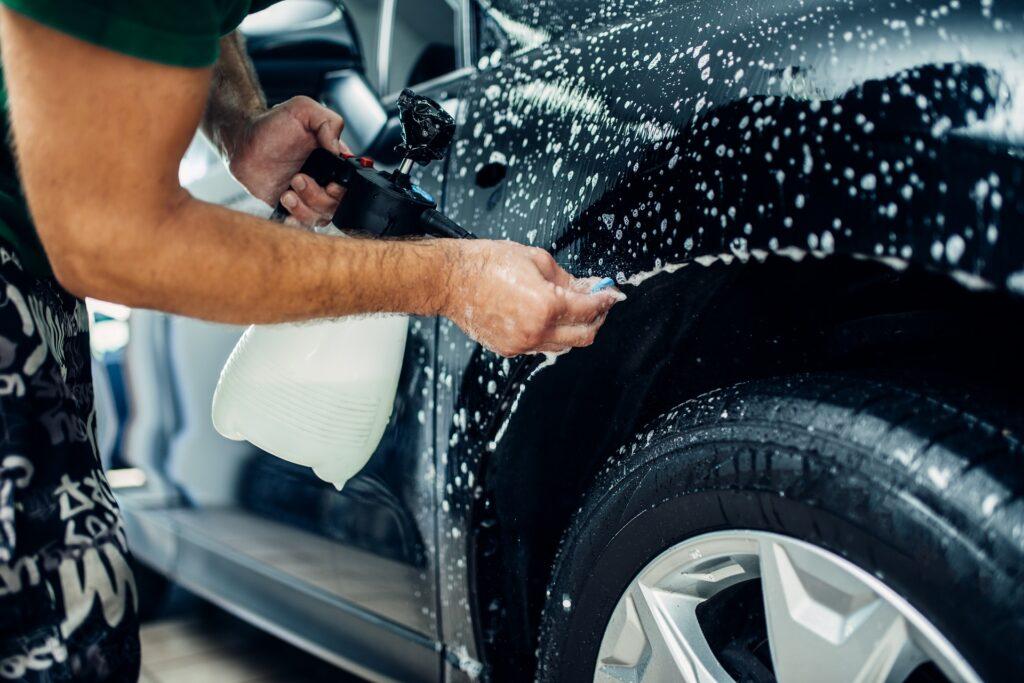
x=515, y=299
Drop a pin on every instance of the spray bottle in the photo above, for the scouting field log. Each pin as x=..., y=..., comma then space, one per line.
x=321, y=394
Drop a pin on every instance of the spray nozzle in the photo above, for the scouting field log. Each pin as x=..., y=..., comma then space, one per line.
x=427, y=129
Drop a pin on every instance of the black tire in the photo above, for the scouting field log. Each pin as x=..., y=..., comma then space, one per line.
x=910, y=488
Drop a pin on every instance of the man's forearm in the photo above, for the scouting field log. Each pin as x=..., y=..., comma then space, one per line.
x=209, y=262
x=235, y=95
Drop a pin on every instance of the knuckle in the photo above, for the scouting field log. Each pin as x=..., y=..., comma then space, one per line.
x=550, y=313
x=533, y=336
x=543, y=256
x=325, y=200
x=314, y=197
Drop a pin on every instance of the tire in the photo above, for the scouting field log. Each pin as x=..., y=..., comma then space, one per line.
x=916, y=492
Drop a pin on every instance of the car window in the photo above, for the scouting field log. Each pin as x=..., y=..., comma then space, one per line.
x=405, y=42
x=422, y=43
x=366, y=19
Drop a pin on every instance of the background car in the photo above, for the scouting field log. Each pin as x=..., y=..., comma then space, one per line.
x=793, y=454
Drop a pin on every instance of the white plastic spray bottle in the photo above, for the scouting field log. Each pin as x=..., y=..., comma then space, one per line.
x=321, y=394
x=318, y=394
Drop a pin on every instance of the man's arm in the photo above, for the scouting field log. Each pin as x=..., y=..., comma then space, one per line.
x=99, y=137
x=266, y=148
x=235, y=95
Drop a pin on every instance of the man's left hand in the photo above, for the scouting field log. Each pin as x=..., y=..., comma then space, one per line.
x=269, y=152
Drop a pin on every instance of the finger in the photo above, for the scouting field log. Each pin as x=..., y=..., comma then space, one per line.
x=547, y=265
x=326, y=124
x=583, y=309
x=583, y=284
x=314, y=196
x=574, y=336
x=550, y=269
x=586, y=284
x=335, y=190
x=302, y=213
x=329, y=132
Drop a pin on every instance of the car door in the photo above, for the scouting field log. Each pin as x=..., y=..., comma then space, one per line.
x=367, y=543
x=368, y=550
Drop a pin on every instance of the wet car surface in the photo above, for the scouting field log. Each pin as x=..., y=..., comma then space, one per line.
x=778, y=187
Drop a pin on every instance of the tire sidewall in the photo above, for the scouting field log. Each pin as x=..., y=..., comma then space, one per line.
x=776, y=479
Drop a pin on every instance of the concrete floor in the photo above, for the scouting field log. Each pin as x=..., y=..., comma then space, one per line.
x=201, y=644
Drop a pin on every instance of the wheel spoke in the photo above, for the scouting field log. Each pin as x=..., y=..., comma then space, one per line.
x=623, y=647
x=678, y=650
x=824, y=620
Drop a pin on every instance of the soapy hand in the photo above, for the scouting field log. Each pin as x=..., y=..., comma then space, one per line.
x=269, y=152
x=515, y=299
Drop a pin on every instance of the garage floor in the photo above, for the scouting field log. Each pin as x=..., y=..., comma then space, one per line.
x=201, y=644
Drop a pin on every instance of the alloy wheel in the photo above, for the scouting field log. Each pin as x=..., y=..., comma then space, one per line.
x=689, y=615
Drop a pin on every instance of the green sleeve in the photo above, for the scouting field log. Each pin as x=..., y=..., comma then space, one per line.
x=175, y=32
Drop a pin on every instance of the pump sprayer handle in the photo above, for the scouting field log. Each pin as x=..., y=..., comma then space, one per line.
x=323, y=167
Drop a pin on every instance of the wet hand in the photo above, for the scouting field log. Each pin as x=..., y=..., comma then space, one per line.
x=515, y=299
x=269, y=152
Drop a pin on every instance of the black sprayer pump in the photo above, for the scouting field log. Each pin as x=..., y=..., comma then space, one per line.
x=389, y=204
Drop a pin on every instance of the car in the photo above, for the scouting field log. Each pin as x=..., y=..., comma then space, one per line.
x=793, y=453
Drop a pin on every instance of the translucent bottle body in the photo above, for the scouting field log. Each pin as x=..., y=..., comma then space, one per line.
x=316, y=394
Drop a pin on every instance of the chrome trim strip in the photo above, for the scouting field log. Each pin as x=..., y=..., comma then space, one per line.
x=465, y=57
x=384, y=35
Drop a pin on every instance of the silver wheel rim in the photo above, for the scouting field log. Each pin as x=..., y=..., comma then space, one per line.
x=827, y=619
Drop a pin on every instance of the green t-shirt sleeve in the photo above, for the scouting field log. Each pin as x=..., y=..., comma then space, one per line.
x=176, y=32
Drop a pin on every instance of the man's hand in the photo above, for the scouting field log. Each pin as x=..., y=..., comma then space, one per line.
x=266, y=155
x=515, y=299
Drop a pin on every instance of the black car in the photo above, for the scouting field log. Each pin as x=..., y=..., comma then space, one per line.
x=794, y=453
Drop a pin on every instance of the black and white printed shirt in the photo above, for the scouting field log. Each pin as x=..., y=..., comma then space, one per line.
x=67, y=596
